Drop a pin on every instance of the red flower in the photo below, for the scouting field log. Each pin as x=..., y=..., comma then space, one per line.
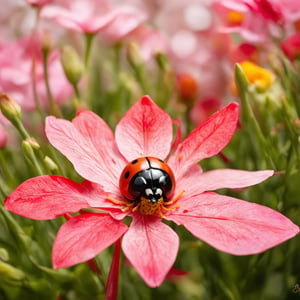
x=291, y=46
x=231, y=225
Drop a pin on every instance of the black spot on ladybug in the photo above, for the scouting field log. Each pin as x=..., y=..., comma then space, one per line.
x=134, y=161
x=161, y=160
x=126, y=175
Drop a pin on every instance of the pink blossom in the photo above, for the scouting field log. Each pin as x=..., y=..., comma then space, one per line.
x=126, y=21
x=254, y=20
x=16, y=75
x=228, y=224
x=92, y=16
x=79, y=15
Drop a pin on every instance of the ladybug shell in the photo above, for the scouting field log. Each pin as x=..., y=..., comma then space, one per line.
x=140, y=164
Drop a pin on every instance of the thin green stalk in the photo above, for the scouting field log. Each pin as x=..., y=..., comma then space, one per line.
x=21, y=129
x=77, y=98
x=4, y=166
x=4, y=189
x=34, y=90
x=53, y=106
x=89, y=37
x=31, y=155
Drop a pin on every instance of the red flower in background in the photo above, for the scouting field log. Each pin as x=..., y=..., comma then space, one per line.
x=228, y=224
x=291, y=46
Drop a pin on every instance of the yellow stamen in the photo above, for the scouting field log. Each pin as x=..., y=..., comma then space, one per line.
x=235, y=17
x=125, y=203
x=147, y=207
x=174, y=199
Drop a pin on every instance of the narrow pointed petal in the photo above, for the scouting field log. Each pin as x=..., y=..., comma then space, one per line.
x=232, y=225
x=221, y=178
x=145, y=130
x=111, y=292
x=47, y=197
x=83, y=237
x=151, y=247
x=89, y=144
x=208, y=139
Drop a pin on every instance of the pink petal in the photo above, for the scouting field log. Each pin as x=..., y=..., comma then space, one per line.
x=208, y=139
x=145, y=130
x=151, y=247
x=85, y=23
x=232, y=225
x=89, y=144
x=200, y=182
x=126, y=20
x=83, y=237
x=47, y=197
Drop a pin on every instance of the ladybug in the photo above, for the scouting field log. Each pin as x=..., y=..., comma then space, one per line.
x=147, y=183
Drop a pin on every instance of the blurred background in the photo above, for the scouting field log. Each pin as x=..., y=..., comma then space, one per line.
x=60, y=56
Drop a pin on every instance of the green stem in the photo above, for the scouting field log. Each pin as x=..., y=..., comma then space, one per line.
x=89, y=37
x=21, y=129
x=76, y=100
x=4, y=189
x=32, y=157
x=53, y=106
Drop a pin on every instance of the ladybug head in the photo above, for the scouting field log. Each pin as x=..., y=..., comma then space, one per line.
x=152, y=184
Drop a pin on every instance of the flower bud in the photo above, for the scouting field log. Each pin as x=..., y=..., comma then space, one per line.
x=46, y=42
x=187, y=88
x=4, y=255
x=3, y=137
x=72, y=65
x=9, y=107
x=134, y=55
x=162, y=61
x=10, y=275
x=29, y=146
x=32, y=143
x=50, y=164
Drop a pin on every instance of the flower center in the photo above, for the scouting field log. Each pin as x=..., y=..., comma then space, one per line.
x=147, y=206
x=235, y=17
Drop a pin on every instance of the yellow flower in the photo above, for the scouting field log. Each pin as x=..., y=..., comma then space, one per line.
x=256, y=75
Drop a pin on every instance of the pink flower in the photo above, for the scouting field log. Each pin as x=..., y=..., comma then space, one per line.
x=228, y=224
x=127, y=20
x=90, y=16
x=254, y=20
x=16, y=76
